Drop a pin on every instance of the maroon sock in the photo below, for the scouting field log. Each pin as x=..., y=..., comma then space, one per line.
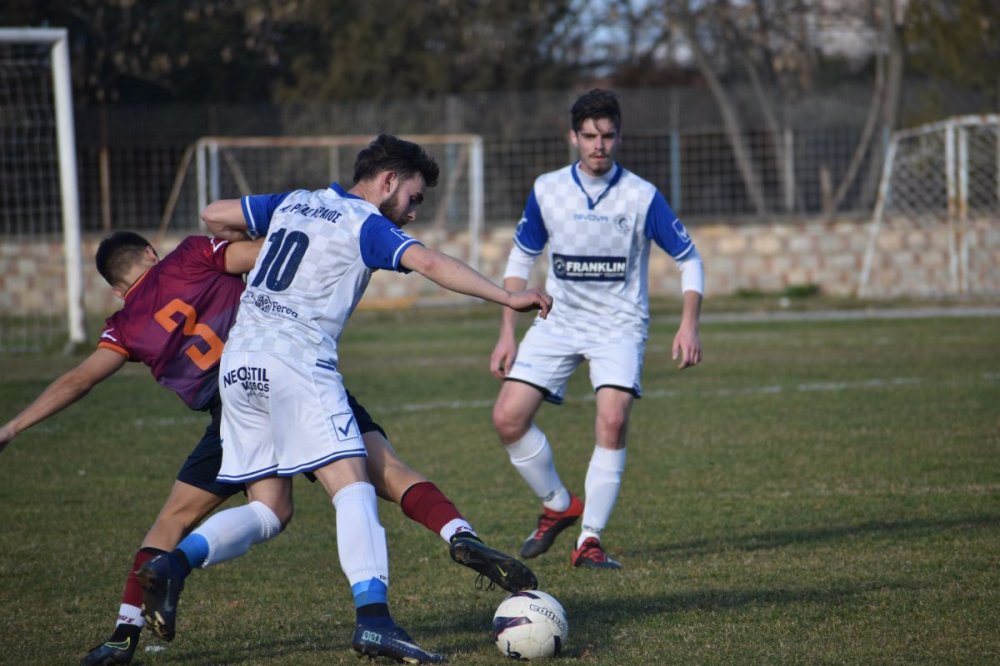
x=424, y=503
x=133, y=591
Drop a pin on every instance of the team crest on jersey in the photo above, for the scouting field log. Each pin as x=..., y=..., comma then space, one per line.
x=681, y=231
x=594, y=269
x=623, y=224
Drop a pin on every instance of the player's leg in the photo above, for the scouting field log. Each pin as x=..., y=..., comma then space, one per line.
x=194, y=495
x=424, y=503
x=364, y=559
x=615, y=370
x=604, y=477
x=224, y=536
x=531, y=455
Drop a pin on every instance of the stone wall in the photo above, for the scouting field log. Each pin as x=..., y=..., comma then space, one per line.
x=749, y=257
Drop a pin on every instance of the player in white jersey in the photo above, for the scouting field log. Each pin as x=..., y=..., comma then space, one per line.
x=285, y=409
x=598, y=220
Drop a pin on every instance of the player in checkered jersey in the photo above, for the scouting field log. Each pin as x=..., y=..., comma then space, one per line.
x=598, y=221
x=285, y=407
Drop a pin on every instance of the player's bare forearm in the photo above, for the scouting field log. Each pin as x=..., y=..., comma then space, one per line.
x=64, y=391
x=454, y=275
x=687, y=341
x=224, y=218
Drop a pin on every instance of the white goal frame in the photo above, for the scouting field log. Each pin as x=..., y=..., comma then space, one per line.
x=945, y=173
x=57, y=40
x=214, y=155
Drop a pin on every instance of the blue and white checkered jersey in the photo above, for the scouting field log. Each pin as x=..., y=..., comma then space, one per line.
x=598, y=250
x=321, y=249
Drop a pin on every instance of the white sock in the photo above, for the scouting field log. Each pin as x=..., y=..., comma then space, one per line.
x=230, y=533
x=532, y=458
x=454, y=526
x=361, y=542
x=129, y=614
x=604, y=480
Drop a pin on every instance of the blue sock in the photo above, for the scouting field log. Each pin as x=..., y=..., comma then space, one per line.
x=195, y=549
x=370, y=602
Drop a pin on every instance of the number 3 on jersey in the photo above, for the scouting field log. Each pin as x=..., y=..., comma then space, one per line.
x=203, y=359
x=282, y=260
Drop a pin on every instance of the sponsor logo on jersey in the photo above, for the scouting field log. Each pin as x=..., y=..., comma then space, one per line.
x=596, y=269
x=251, y=379
x=305, y=210
x=590, y=217
x=265, y=303
x=109, y=334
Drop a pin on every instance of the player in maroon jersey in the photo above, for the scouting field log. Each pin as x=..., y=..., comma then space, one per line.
x=176, y=317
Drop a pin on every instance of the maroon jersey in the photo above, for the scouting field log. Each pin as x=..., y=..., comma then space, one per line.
x=177, y=317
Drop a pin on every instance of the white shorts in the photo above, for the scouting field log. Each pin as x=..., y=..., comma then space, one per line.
x=282, y=418
x=546, y=360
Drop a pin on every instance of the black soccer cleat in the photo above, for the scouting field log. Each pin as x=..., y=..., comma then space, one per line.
x=392, y=642
x=501, y=569
x=162, y=579
x=110, y=653
x=550, y=524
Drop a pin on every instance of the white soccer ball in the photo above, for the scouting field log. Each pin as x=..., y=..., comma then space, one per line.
x=530, y=625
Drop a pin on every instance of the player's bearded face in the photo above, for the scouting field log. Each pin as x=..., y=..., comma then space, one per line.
x=596, y=143
x=401, y=204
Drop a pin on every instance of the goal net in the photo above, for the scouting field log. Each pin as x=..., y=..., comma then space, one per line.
x=231, y=167
x=936, y=227
x=39, y=207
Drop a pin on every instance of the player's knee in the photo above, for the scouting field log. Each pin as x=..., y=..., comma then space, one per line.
x=612, y=427
x=508, y=424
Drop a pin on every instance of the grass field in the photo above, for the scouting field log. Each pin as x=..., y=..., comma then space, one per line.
x=815, y=492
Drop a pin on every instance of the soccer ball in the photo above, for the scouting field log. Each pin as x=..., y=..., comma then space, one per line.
x=530, y=625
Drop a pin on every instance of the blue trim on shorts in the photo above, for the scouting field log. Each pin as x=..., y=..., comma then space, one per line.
x=252, y=476
x=314, y=465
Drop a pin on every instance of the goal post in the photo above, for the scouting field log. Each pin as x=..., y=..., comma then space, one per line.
x=230, y=167
x=940, y=196
x=38, y=149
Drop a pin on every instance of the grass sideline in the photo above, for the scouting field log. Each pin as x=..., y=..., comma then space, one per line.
x=815, y=492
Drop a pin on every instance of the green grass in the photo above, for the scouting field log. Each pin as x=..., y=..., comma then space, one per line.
x=815, y=492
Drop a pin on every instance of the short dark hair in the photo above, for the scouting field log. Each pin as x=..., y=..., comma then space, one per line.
x=117, y=253
x=595, y=105
x=390, y=153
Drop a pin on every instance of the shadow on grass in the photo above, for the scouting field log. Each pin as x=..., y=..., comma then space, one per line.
x=595, y=623
x=780, y=538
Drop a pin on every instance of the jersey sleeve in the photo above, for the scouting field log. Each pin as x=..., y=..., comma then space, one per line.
x=111, y=337
x=383, y=243
x=257, y=211
x=665, y=228
x=531, y=234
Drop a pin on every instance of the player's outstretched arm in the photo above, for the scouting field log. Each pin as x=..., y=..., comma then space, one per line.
x=459, y=277
x=505, y=349
x=63, y=392
x=224, y=218
x=687, y=342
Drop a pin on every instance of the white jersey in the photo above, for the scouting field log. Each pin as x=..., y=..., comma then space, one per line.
x=598, y=251
x=321, y=249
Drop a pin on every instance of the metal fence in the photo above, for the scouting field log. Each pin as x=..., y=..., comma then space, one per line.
x=133, y=167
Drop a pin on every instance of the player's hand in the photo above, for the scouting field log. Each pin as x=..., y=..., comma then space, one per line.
x=6, y=435
x=531, y=299
x=687, y=347
x=503, y=356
